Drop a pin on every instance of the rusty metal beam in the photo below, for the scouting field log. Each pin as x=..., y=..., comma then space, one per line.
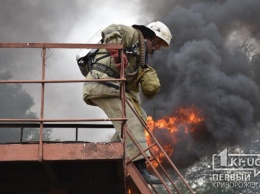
x=138, y=179
x=62, y=151
x=83, y=151
x=60, y=45
x=42, y=104
x=55, y=125
x=61, y=120
x=57, y=81
x=18, y=152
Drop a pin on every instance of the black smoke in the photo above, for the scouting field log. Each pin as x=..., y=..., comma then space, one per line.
x=212, y=64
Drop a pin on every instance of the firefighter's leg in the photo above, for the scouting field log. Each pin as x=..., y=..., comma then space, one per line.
x=112, y=106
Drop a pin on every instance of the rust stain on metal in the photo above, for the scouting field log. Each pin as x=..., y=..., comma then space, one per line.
x=83, y=151
x=62, y=151
x=19, y=152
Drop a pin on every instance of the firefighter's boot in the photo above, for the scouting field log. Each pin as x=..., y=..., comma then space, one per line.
x=150, y=179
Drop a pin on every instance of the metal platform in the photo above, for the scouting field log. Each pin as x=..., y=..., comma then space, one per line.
x=66, y=168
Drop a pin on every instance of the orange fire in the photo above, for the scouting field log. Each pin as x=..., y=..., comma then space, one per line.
x=165, y=130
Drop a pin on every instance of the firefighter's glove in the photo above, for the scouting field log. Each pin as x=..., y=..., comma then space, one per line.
x=116, y=57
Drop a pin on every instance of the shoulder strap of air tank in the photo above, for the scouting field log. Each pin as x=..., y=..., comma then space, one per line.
x=142, y=60
x=142, y=48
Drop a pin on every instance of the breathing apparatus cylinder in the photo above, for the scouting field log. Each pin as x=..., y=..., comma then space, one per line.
x=85, y=55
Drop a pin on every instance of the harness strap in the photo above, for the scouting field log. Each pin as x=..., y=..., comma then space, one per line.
x=98, y=59
x=142, y=48
x=93, y=61
x=93, y=65
x=105, y=69
x=110, y=85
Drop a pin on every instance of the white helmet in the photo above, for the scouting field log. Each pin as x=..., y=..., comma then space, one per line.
x=161, y=31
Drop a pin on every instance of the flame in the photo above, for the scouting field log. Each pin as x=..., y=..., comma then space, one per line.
x=165, y=130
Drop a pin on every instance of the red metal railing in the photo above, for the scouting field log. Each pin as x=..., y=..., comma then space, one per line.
x=43, y=81
x=42, y=121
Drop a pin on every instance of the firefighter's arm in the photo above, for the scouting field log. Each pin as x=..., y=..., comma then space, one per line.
x=113, y=34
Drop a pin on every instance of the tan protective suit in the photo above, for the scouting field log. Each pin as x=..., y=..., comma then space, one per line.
x=107, y=98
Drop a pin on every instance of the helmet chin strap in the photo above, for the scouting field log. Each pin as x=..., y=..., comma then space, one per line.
x=153, y=46
x=154, y=42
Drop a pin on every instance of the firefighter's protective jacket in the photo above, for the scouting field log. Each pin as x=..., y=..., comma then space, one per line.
x=95, y=93
x=118, y=34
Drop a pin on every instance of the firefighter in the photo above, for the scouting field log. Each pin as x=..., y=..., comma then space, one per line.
x=139, y=42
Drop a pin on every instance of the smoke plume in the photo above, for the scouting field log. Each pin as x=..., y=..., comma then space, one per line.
x=212, y=65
